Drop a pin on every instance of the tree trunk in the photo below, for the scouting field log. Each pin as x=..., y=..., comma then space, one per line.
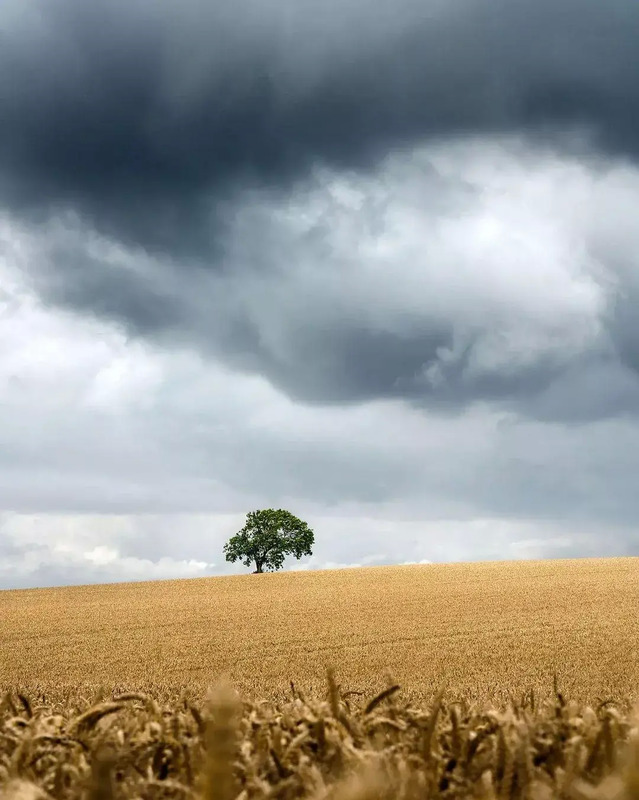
x=258, y=564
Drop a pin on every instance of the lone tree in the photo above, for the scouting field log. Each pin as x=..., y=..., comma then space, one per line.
x=267, y=538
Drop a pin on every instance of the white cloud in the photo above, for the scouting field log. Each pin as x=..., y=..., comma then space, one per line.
x=491, y=234
x=102, y=555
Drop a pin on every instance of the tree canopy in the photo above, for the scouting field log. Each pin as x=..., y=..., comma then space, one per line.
x=267, y=538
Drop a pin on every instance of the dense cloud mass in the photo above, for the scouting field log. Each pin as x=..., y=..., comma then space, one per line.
x=442, y=279
x=375, y=264
x=144, y=117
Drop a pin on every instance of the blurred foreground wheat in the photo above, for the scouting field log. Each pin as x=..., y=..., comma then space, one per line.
x=339, y=747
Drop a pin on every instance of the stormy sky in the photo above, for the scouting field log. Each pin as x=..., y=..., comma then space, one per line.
x=377, y=264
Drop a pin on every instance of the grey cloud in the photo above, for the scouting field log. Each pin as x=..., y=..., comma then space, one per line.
x=594, y=389
x=352, y=288
x=87, y=284
x=162, y=134
x=208, y=444
x=142, y=118
x=128, y=478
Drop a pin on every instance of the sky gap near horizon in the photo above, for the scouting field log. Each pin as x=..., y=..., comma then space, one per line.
x=375, y=267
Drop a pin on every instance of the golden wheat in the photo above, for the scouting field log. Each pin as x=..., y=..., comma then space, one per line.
x=485, y=631
x=106, y=687
x=315, y=749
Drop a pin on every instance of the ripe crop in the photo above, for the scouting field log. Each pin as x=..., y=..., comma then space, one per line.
x=133, y=747
x=106, y=687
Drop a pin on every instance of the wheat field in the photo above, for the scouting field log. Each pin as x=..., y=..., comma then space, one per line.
x=495, y=680
x=486, y=631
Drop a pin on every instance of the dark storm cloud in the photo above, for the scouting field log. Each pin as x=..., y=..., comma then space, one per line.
x=149, y=122
x=141, y=116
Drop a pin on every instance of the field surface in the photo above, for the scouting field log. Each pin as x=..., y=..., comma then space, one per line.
x=483, y=630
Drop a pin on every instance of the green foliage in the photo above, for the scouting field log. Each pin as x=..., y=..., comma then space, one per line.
x=267, y=538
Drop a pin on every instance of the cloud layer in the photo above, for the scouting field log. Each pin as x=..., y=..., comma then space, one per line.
x=355, y=204
x=474, y=271
x=144, y=117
